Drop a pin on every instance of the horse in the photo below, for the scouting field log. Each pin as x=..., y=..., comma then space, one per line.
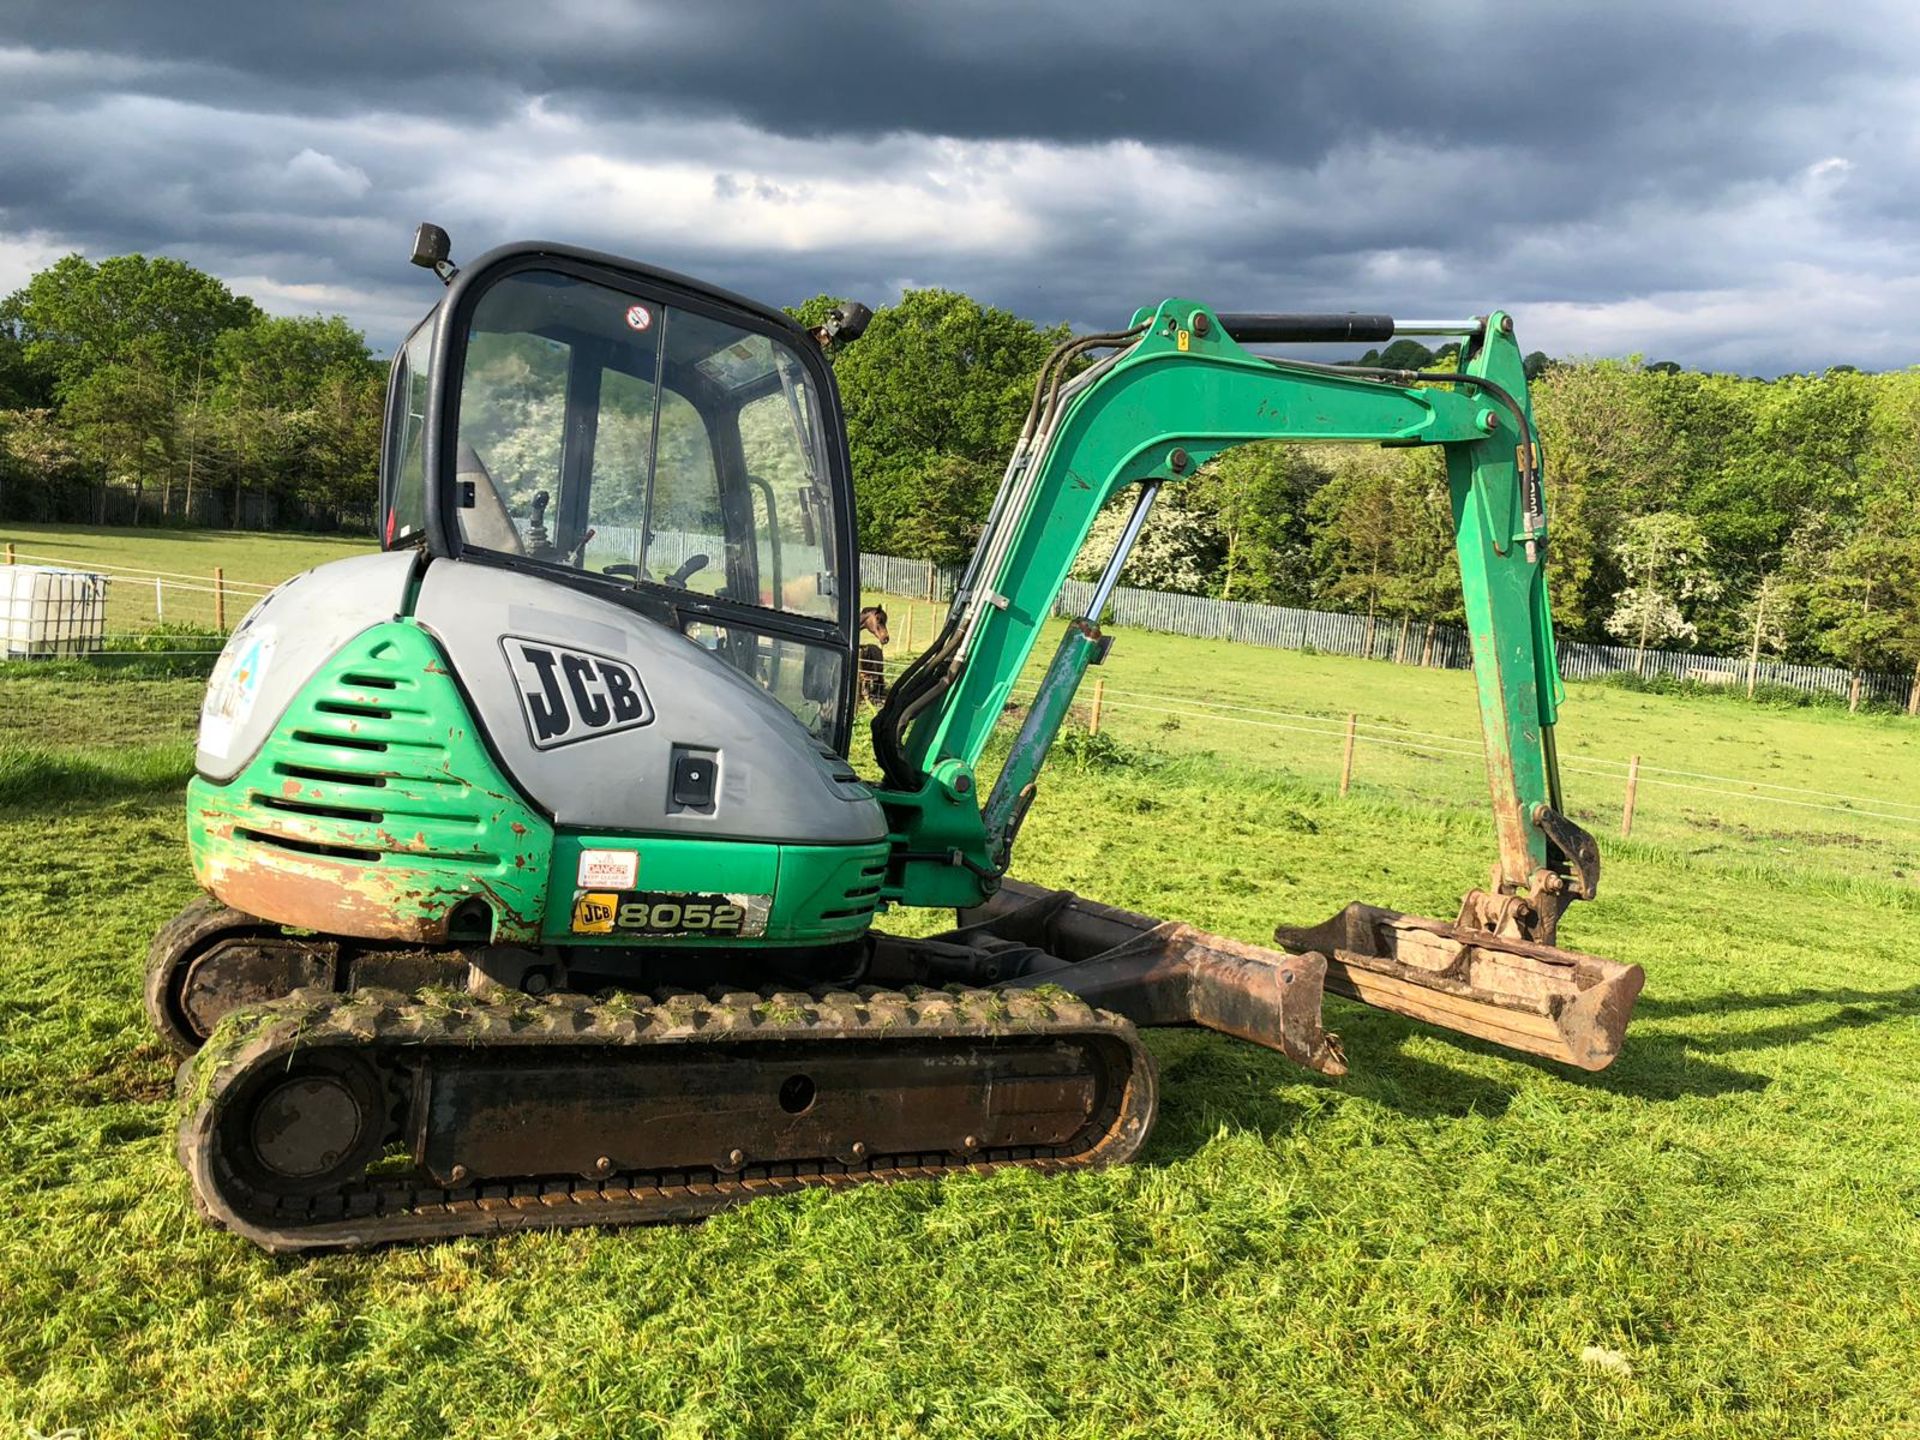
x=873, y=674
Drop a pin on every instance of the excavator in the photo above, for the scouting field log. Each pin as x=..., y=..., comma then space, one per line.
x=540, y=891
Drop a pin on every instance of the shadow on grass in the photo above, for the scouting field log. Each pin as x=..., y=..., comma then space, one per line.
x=1656, y=1063
x=1856, y=1010
x=1247, y=1086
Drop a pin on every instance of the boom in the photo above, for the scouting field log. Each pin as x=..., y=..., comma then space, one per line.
x=1177, y=390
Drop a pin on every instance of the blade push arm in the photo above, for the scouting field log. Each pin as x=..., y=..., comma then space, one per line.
x=1181, y=393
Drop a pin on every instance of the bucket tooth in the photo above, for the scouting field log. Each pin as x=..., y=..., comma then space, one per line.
x=1540, y=999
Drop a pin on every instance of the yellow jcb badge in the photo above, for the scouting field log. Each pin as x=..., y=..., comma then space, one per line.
x=593, y=913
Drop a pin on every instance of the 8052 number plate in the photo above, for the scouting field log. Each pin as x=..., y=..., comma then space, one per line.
x=668, y=912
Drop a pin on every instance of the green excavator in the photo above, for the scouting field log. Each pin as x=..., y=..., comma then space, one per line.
x=540, y=890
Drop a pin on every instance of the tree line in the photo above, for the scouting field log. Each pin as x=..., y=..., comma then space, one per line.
x=142, y=389
x=1776, y=517
x=1773, y=517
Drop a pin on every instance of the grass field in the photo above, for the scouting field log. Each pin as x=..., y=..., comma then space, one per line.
x=1717, y=1236
x=186, y=559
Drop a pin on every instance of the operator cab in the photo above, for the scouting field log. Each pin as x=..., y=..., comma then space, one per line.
x=652, y=441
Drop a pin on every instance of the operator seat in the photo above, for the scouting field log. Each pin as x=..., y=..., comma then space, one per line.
x=489, y=521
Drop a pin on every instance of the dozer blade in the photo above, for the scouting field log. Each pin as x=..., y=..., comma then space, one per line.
x=1535, y=998
x=1157, y=972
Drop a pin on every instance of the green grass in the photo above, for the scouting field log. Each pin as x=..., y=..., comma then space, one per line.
x=1717, y=1236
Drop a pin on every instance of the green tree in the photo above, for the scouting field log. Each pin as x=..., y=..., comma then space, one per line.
x=1383, y=535
x=1604, y=452
x=37, y=463
x=1259, y=496
x=22, y=387
x=76, y=317
x=299, y=402
x=938, y=378
x=1780, y=454
x=121, y=415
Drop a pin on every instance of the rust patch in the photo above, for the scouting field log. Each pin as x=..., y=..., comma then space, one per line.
x=316, y=892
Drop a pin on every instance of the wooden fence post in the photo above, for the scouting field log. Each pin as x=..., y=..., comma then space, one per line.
x=219, y=599
x=9, y=552
x=1099, y=694
x=1633, y=788
x=1346, y=761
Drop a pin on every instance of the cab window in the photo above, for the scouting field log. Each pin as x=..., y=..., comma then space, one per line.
x=405, y=481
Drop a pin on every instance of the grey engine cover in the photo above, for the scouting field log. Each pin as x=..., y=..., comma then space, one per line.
x=775, y=782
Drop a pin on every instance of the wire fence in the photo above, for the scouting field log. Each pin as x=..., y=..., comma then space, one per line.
x=1402, y=639
x=148, y=609
x=1661, y=798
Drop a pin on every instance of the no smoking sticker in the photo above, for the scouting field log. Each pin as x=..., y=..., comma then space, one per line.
x=639, y=317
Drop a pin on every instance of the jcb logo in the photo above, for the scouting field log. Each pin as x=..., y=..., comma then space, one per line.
x=571, y=695
x=593, y=914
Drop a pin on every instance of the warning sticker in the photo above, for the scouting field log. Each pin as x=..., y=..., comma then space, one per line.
x=639, y=317
x=608, y=869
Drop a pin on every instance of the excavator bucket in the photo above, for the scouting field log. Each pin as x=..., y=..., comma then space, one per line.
x=1525, y=996
x=1536, y=998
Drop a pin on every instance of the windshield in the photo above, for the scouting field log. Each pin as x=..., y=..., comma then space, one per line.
x=643, y=443
x=648, y=445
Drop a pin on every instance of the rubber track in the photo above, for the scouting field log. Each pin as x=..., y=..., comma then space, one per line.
x=379, y=1209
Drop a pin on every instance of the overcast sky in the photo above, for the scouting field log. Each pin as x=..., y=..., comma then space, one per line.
x=1731, y=185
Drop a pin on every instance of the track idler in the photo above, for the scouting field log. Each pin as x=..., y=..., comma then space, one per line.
x=1513, y=992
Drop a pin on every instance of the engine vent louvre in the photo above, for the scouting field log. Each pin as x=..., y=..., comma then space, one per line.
x=364, y=767
x=859, y=894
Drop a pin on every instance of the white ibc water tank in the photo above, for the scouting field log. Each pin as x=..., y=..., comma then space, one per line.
x=45, y=610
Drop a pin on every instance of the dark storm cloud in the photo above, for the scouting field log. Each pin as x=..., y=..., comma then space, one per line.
x=1701, y=181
